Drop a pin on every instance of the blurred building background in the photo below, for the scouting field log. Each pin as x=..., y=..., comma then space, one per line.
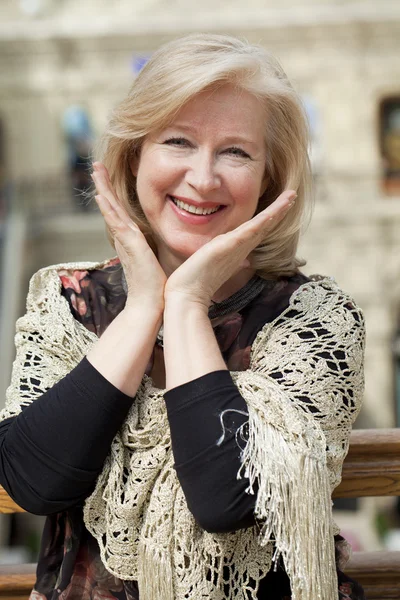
x=66, y=63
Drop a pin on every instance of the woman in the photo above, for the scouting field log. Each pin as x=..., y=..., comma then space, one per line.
x=193, y=397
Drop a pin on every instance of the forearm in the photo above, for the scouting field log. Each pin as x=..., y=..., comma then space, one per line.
x=201, y=392
x=190, y=347
x=53, y=451
x=51, y=454
x=207, y=419
x=124, y=350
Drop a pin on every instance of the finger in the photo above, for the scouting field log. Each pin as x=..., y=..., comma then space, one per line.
x=107, y=210
x=104, y=188
x=270, y=216
x=280, y=206
x=106, y=192
x=101, y=170
x=253, y=232
x=98, y=167
x=118, y=227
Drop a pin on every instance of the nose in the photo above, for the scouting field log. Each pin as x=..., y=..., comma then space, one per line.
x=202, y=174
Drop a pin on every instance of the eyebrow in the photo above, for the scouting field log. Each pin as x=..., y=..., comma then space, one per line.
x=231, y=139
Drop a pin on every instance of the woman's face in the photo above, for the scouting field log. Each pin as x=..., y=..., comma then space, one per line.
x=203, y=174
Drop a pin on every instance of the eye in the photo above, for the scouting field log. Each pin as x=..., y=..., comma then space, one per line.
x=236, y=151
x=177, y=141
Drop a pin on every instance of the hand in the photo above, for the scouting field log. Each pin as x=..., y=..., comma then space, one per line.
x=203, y=273
x=144, y=276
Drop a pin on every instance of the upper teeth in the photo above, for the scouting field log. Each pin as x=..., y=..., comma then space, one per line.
x=196, y=210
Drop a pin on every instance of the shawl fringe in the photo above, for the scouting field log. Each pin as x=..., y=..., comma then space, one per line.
x=294, y=506
x=155, y=575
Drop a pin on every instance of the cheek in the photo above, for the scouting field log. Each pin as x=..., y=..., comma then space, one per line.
x=246, y=189
x=157, y=178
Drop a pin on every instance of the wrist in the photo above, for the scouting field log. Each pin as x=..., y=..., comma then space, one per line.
x=144, y=306
x=179, y=302
x=190, y=347
x=145, y=312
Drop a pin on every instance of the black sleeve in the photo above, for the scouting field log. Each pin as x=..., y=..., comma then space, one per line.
x=53, y=451
x=204, y=417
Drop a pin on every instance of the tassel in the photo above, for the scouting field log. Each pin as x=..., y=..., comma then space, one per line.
x=155, y=575
x=285, y=457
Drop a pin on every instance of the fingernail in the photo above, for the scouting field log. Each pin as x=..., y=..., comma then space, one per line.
x=95, y=167
x=97, y=198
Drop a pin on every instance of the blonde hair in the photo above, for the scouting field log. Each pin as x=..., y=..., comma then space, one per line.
x=176, y=73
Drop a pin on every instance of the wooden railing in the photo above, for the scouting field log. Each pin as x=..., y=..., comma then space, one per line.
x=16, y=582
x=7, y=505
x=372, y=465
x=371, y=468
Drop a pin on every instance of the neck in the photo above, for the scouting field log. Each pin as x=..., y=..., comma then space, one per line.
x=233, y=284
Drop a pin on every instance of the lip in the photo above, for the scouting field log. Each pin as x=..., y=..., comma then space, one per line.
x=195, y=203
x=190, y=218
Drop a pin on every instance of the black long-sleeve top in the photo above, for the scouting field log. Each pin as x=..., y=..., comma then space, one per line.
x=53, y=451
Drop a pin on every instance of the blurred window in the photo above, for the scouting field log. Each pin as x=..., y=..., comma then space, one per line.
x=79, y=139
x=389, y=131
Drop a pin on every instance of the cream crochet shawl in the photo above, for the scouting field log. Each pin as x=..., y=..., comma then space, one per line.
x=303, y=391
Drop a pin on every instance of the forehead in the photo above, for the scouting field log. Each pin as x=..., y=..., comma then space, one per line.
x=227, y=107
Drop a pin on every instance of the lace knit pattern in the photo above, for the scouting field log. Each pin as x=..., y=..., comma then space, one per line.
x=303, y=391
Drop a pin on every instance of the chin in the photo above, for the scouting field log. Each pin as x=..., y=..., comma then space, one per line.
x=183, y=249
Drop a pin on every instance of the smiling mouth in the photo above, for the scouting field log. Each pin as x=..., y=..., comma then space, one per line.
x=195, y=210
